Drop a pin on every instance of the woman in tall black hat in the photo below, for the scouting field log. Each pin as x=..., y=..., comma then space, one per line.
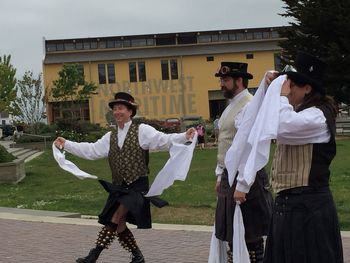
x=304, y=226
x=127, y=150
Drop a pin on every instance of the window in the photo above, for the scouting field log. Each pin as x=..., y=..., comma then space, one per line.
x=138, y=42
x=102, y=76
x=111, y=73
x=68, y=46
x=166, y=65
x=93, y=45
x=223, y=37
x=184, y=40
x=165, y=69
x=204, y=38
x=142, y=71
x=79, y=45
x=137, y=68
x=132, y=72
x=60, y=47
x=249, y=35
x=86, y=45
x=249, y=56
x=102, y=73
x=80, y=68
x=210, y=58
x=173, y=69
x=258, y=35
x=274, y=34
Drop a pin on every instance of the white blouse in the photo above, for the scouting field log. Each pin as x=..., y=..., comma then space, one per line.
x=149, y=139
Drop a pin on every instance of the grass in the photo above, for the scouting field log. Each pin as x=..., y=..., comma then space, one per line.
x=47, y=187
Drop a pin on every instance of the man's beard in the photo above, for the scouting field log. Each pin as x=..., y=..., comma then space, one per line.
x=229, y=94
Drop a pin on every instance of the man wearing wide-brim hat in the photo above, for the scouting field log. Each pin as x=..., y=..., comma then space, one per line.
x=257, y=209
x=127, y=150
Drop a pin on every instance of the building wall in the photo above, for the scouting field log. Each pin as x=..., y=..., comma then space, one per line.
x=160, y=99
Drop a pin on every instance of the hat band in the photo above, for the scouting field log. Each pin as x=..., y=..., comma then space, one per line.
x=126, y=101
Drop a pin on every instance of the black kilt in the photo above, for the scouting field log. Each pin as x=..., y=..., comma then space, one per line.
x=304, y=228
x=132, y=197
x=256, y=211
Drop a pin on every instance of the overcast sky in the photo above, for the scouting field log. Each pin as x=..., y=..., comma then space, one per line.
x=25, y=23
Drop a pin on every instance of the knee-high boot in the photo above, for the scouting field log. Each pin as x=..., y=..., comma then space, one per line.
x=128, y=242
x=105, y=237
x=229, y=254
x=256, y=251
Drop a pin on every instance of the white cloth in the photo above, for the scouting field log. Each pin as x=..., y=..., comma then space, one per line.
x=218, y=250
x=176, y=168
x=239, y=247
x=149, y=138
x=258, y=125
x=303, y=127
x=68, y=165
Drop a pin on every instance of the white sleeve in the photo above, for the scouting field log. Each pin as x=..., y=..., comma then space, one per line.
x=90, y=151
x=151, y=139
x=306, y=126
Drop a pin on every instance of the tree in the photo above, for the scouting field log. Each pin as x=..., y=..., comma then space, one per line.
x=72, y=88
x=321, y=28
x=7, y=84
x=28, y=107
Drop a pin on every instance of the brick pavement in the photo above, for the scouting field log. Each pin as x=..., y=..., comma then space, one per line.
x=44, y=242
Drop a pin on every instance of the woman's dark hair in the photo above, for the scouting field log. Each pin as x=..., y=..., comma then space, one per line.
x=316, y=99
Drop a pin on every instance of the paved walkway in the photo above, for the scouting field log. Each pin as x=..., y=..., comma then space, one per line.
x=44, y=239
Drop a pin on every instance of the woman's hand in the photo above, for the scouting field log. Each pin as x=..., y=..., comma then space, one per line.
x=60, y=142
x=239, y=197
x=190, y=133
x=270, y=76
x=285, y=88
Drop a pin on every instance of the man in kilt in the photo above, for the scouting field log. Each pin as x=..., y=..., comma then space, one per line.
x=258, y=208
x=127, y=150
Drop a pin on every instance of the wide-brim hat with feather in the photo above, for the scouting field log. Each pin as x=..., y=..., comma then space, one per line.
x=307, y=69
x=234, y=69
x=126, y=99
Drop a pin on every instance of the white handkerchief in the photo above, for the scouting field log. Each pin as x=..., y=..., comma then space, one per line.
x=239, y=247
x=68, y=165
x=176, y=167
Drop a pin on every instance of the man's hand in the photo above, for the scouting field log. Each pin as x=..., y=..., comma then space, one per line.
x=239, y=197
x=190, y=133
x=60, y=142
x=217, y=187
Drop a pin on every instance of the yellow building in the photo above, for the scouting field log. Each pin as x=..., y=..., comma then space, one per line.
x=170, y=75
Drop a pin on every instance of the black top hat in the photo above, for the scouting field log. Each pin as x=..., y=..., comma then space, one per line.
x=234, y=69
x=126, y=99
x=308, y=70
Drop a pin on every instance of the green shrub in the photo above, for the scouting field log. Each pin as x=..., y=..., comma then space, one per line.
x=5, y=156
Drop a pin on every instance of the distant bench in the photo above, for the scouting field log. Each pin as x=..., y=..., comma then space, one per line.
x=343, y=127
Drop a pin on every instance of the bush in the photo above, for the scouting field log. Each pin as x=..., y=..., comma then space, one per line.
x=5, y=156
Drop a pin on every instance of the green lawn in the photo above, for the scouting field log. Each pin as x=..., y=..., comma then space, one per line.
x=47, y=187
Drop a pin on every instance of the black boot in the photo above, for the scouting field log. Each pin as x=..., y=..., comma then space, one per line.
x=256, y=251
x=229, y=254
x=92, y=257
x=128, y=242
x=104, y=239
x=137, y=256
